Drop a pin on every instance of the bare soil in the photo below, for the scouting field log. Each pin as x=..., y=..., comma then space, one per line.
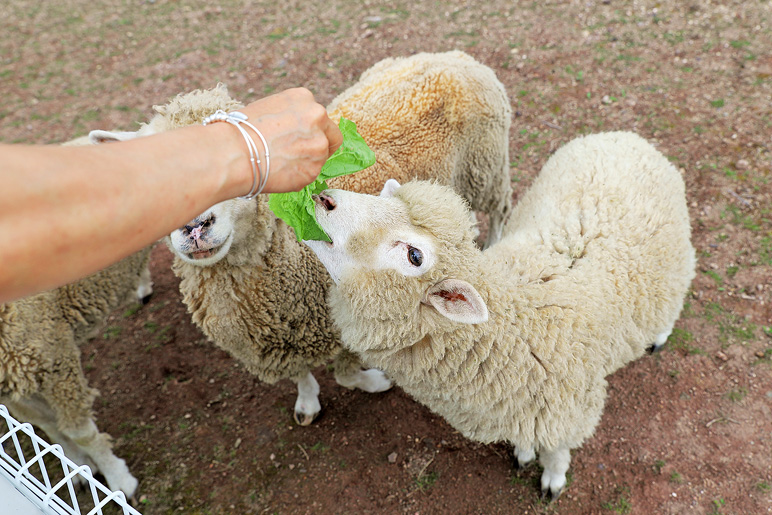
x=688, y=430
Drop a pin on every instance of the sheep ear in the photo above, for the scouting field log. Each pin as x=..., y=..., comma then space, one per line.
x=97, y=137
x=458, y=301
x=389, y=188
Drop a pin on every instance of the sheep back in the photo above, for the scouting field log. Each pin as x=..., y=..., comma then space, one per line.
x=441, y=116
x=608, y=210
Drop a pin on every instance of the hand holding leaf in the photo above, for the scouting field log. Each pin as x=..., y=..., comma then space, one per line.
x=297, y=208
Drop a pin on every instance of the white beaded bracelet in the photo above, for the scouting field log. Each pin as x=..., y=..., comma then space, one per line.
x=236, y=118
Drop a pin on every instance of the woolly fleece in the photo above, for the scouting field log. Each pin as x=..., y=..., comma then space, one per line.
x=595, y=265
x=440, y=116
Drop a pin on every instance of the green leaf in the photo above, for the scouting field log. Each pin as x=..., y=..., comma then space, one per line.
x=297, y=209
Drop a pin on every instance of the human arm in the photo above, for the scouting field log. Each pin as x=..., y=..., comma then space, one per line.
x=67, y=212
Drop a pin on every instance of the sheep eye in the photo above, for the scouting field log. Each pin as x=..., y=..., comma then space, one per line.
x=415, y=256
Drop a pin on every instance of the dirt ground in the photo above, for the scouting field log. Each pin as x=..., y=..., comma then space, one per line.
x=686, y=431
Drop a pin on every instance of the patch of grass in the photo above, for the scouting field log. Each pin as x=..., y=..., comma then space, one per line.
x=320, y=447
x=163, y=335
x=737, y=217
x=766, y=357
x=717, y=505
x=717, y=103
x=713, y=310
x=676, y=478
x=730, y=326
x=731, y=271
x=658, y=465
x=132, y=310
x=278, y=33
x=519, y=481
x=765, y=251
x=622, y=503
x=111, y=332
x=131, y=431
x=426, y=481
x=714, y=275
x=763, y=486
x=150, y=326
x=681, y=339
x=90, y=115
x=737, y=395
x=628, y=58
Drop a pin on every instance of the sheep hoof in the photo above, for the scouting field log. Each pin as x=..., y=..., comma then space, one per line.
x=146, y=299
x=654, y=348
x=553, y=494
x=305, y=419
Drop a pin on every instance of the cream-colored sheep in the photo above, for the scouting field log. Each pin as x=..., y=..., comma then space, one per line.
x=440, y=116
x=514, y=343
x=258, y=293
x=41, y=379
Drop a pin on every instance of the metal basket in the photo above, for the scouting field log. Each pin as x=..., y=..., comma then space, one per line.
x=23, y=456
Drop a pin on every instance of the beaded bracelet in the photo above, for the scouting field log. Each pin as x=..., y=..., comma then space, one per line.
x=236, y=118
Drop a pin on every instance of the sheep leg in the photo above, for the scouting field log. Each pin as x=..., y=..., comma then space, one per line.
x=659, y=341
x=145, y=288
x=349, y=374
x=555, y=463
x=307, y=406
x=523, y=456
x=99, y=448
x=495, y=229
x=70, y=398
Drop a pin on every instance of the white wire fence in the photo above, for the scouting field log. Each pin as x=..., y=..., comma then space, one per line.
x=48, y=479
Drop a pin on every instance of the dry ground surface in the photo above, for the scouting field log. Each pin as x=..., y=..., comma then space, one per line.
x=685, y=431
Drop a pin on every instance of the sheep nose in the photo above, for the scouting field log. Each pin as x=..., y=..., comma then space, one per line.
x=195, y=233
x=325, y=200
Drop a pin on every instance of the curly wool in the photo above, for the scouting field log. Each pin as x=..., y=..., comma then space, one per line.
x=441, y=116
x=268, y=310
x=595, y=265
x=40, y=337
x=265, y=301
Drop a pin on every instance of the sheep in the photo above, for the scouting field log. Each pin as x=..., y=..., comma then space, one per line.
x=257, y=292
x=41, y=379
x=514, y=343
x=441, y=116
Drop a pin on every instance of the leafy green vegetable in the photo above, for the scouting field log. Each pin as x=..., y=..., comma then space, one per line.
x=297, y=208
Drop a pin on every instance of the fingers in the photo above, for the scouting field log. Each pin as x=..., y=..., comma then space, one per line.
x=334, y=136
x=300, y=134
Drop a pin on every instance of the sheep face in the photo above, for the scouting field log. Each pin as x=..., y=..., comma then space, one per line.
x=395, y=257
x=208, y=238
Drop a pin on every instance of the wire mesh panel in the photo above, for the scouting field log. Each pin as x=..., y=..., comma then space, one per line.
x=48, y=479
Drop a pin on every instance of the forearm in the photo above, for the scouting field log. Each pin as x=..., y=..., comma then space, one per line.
x=69, y=211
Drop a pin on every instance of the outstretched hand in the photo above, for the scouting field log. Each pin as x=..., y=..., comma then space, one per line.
x=300, y=136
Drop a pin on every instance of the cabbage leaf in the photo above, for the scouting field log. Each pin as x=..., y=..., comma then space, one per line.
x=297, y=208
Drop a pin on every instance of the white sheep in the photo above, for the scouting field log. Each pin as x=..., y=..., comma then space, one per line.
x=41, y=379
x=258, y=293
x=514, y=343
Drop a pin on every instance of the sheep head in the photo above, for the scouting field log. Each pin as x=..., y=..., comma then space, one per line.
x=402, y=256
x=209, y=237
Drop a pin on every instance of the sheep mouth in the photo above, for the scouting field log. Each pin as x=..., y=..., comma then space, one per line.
x=203, y=254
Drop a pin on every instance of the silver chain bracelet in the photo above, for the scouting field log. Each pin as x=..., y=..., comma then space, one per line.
x=236, y=118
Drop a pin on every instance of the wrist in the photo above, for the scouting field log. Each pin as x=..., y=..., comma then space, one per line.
x=228, y=156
